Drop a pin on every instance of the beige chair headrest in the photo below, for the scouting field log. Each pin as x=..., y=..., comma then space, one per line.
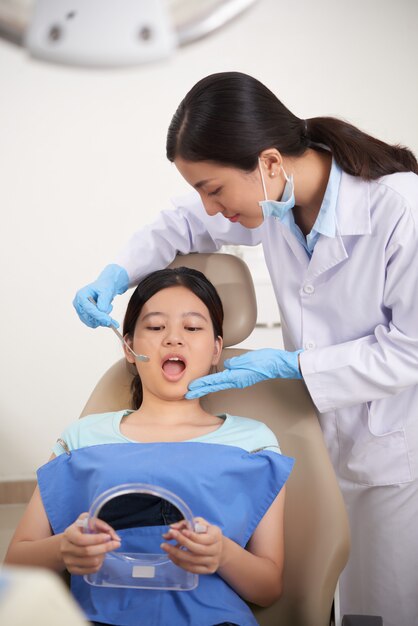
x=234, y=284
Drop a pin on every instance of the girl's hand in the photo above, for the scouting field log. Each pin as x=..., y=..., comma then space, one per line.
x=83, y=553
x=199, y=553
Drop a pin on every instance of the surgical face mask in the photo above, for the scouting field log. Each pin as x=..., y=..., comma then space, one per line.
x=278, y=208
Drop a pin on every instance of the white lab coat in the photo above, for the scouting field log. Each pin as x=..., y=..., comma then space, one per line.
x=353, y=308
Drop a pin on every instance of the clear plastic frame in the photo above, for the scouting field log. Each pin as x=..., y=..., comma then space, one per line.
x=136, y=569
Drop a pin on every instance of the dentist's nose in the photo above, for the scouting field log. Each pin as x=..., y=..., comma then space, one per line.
x=212, y=207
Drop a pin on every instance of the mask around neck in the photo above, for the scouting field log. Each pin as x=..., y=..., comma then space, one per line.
x=278, y=208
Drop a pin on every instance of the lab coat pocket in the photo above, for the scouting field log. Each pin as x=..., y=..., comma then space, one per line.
x=373, y=446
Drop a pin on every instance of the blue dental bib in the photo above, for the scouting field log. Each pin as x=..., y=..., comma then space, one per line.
x=224, y=484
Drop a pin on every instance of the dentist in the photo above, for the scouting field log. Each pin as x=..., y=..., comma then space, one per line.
x=336, y=211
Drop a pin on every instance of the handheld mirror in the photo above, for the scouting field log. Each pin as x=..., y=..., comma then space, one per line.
x=140, y=513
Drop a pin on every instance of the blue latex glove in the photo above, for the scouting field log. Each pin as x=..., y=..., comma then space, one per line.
x=246, y=370
x=112, y=281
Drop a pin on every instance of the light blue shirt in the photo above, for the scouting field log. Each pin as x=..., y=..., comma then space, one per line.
x=325, y=223
x=102, y=428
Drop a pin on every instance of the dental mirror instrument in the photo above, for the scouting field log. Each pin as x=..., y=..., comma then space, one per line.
x=138, y=357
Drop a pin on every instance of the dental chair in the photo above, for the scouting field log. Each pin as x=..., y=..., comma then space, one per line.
x=316, y=526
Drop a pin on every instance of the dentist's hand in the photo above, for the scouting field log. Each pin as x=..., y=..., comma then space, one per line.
x=248, y=369
x=112, y=281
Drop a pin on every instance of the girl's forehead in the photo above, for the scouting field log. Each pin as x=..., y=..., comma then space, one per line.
x=176, y=299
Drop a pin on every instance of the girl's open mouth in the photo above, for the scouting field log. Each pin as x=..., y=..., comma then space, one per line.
x=173, y=367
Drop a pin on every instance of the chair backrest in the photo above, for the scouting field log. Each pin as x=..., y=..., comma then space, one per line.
x=316, y=526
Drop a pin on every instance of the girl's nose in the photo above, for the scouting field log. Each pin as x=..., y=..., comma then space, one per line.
x=173, y=338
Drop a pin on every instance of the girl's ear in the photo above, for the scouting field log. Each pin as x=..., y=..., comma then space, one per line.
x=217, y=350
x=128, y=354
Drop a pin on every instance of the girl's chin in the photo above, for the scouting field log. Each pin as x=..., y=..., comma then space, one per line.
x=172, y=391
x=175, y=395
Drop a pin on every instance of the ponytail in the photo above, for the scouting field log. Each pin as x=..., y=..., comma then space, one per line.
x=356, y=152
x=136, y=392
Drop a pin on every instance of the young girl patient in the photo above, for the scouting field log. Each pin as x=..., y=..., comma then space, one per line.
x=228, y=469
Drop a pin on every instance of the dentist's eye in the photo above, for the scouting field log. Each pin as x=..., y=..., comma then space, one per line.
x=215, y=192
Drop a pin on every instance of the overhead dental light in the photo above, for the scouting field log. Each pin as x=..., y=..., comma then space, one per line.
x=112, y=33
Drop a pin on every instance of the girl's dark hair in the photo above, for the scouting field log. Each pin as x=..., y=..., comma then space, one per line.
x=230, y=118
x=193, y=280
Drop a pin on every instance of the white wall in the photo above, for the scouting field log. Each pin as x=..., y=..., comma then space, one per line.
x=82, y=164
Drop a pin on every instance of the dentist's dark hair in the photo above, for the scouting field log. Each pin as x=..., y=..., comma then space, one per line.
x=230, y=118
x=186, y=277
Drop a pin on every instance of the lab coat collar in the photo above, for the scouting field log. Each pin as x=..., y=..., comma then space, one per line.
x=327, y=253
x=352, y=218
x=353, y=206
x=295, y=245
